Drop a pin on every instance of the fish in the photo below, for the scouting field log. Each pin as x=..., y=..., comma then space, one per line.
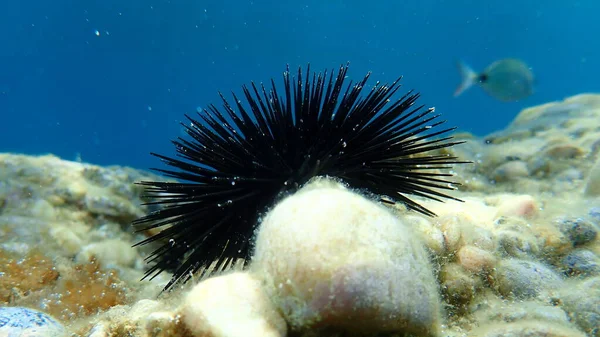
x=507, y=80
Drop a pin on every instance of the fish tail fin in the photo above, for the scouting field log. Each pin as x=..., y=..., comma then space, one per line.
x=468, y=77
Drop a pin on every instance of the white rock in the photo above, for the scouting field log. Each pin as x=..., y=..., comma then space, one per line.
x=333, y=258
x=25, y=322
x=523, y=206
x=109, y=252
x=232, y=305
x=592, y=185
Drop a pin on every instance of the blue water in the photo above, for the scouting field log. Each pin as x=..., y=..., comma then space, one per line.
x=110, y=80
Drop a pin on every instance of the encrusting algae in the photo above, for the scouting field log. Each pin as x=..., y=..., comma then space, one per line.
x=520, y=256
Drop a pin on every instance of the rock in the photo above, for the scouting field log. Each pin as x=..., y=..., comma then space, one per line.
x=25, y=322
x=594, y=213
x=526, y=329
x=500, y=311
x=570, y=175
x=581, y=262
x=163, y=324
x=592, y=185
x=510, y=171
x=333, y=259
x=525, y=279
x=475, y=259
x=523, y=206
x=458, y=285
x=231, y=305
x=109, y=252
x=552, y=241
x=517, y=244
x=564, y=151
x=480, y=237
x=69, y=241
x=579, y=231
x=582, y=301
x=432, y=237
x=451, y=227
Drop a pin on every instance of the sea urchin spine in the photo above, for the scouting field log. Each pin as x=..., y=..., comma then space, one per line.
x=241, y=159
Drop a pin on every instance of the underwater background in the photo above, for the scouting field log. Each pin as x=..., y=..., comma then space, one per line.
x=109, y=81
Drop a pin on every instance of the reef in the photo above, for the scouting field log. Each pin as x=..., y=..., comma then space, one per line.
x=520, y=256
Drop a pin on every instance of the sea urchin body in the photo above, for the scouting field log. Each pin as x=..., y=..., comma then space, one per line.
x=242, y=158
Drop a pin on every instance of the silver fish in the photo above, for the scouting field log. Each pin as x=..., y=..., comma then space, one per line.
x=507, y=80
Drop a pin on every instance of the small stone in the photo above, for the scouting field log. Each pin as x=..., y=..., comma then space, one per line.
x=581, y=262
x=579, y=231
x=570, y=175
x=526, y=329
x=161, y=324
x=99, y=330
x=42, y=209
x=213, y=305
x=594, y=213
x=582, y=301
x=501, y=311
x=475, y=259
x=70, y=242
x=480, y=237
x=510, y=171
x=552, y=241
x=521, y=206
x=431, y=235
x=25, y=322
x=109, y=252
x=334, y=259
x=451, y=228
x=592, y=185
x=517, y=244
x=564, y=151
x=458, y=285
x=525, y=279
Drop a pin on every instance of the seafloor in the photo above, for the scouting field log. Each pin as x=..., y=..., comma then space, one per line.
x=520, y=257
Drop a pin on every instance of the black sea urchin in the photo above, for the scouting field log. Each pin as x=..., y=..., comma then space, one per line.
x=240, y=159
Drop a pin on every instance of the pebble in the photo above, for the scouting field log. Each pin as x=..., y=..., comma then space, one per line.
x=501, y=311
x=25, y=322
x=525, y=279
x=162, y=324
x=110, y=253
x=231, y=305
x=432, y=236
x=451, y=228
x=517, y=244
x=69, y=241
x=581, y=262
x=331, y=258
x=510, y=171
x=564, y=151
x=592, y=185
x=458, y=285
x=113, y=206
x=553, y=242
x=570, y=175
x=581, y=300
x=523, y=206
x=526, y=329
x=579, y=231
x=475, y=259
x=594, y=213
